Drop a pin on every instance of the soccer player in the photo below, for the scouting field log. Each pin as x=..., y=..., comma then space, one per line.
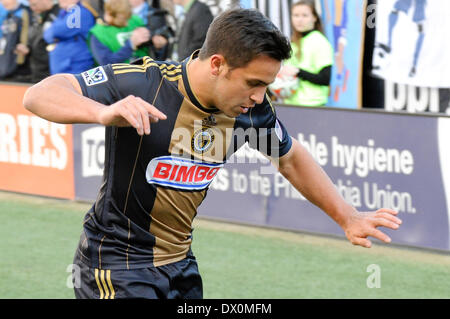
x=170, y=128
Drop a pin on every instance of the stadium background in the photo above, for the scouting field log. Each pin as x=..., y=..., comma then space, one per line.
x=39, y=235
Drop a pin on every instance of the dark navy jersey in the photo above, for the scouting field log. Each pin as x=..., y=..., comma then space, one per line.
x=153, y=184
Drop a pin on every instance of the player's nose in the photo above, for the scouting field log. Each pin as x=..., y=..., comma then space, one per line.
x=258, y=95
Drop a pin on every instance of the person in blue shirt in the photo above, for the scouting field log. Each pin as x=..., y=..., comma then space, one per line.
x=68, y=48
x=141, y=8
x=14, y=66
x=2, y=17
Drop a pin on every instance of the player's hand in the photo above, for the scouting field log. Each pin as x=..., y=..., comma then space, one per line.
x=131, y=111
x=361, y=225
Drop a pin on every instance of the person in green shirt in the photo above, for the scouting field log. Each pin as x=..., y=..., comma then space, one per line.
x=120, y=37
x=312, y=57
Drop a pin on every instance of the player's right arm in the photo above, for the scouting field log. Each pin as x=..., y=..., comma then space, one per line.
x=59, y=99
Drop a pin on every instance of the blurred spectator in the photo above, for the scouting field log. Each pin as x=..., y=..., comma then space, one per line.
x=44, y=13
x=2, y=17
x=68, y=49
x=14, y=66
x=140, y=8
x=117, y=40
x=155, y=19
x=312, y=57
x=169, y=7
x=192, y=32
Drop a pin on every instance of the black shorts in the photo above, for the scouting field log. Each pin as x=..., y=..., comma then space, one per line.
x=179, y=280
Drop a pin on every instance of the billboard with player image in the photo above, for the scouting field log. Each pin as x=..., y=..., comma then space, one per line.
x=411, y=42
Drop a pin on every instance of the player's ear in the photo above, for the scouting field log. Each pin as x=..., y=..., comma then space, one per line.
x=217, y=63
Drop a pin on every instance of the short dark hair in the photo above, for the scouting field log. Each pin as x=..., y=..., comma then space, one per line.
x=241, y=35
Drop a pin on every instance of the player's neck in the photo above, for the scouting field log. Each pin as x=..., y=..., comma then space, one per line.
x=200, y=82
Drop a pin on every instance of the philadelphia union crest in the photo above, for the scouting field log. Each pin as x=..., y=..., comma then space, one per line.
x=202, y=140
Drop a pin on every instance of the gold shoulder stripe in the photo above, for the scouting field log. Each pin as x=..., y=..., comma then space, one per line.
x=126, y=66
x=130, y=71
x=174, y=72
x=173, y=79
x=147, y=59
x=172, y=69
x=138, y=67
x=120, y=64
x=146, y=63
x=170, y=66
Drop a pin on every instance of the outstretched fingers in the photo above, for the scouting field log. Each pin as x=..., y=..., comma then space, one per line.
x=378, y=234
x=153, y=112
x=387, y=210
x=144, y=119
x=134, y=111
x=128, y=113
x=388, y=217
x=383, y=218
x=360, y=241
x=366, y=225
x=385, y=222
x=149, y=114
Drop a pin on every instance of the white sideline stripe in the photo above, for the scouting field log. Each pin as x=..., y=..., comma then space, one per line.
x=444, y=157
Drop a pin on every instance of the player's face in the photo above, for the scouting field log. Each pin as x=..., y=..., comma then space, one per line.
x=240, y=89
x=303, y=18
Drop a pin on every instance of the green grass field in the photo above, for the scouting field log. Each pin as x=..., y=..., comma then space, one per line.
x=39, y=237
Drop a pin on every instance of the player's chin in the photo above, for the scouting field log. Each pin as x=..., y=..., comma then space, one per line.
x=235, y=111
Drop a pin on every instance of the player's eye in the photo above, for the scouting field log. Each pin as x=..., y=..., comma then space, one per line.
x=254, y=84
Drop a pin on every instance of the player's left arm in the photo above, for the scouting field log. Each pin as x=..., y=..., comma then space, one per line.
x=299, y=167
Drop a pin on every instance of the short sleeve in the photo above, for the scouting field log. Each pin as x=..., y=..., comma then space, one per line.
x=99, y=84
x=272, y=138
x=110, y=83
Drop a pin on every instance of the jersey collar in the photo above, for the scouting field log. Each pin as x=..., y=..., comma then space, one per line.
x=187, y=86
